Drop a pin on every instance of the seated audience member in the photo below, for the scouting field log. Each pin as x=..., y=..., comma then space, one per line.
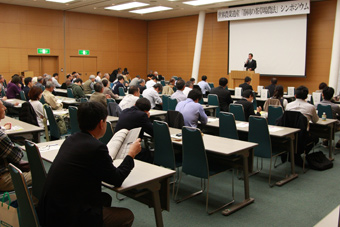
x=67, y=82
x=247, y=104
x=98, y=95
x=188, y=87
x=150, y=75
x=107, y=89
x=9, y=153
x=191, y=110
x=46, y=78
x=322, y=86
x=193, y=80
x=169, y=89
x=224, y=97
x=77, y=89
x=35, y=94
x=13, y=88
x=75, y=76
x=204, y=85
x=72, y=194
x=2, y=83
x=271, y=87
x=50, y=98
x=278, y=94
x=34, y=80
x=126, y=75
x=152, y=95
x=118, y=84
x=130, y=99
x=141, y=85
x=28, y=86
x=89, y=85
x=179, y=95
x=134, y=81
x=150, y=83
x=106, y=76
x=246, y=85
x=39, y=83
x=55, y=80
x=98, y=77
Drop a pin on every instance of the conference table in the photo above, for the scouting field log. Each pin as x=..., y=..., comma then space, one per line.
x=282, y=133
x=14, y=101
x=147, y=183
x=224, y=147
x=331, y=220
x=21, y=128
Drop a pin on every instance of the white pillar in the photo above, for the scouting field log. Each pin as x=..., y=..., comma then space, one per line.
x=198, y=46
x=335, y=60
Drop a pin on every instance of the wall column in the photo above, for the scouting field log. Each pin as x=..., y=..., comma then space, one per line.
x=334, y=73
x=198, y=45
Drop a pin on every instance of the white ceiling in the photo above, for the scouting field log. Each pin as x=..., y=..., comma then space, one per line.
x=97, y=7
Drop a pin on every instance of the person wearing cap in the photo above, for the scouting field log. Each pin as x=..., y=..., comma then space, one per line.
x=88, y=85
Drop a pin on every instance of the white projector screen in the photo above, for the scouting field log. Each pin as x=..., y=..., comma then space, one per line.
x=277, y=43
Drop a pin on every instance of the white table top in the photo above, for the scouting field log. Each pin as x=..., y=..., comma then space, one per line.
x=13, y=101
x=67, y=100
x=205, y=107
x=20, y=127
x=60, y=90
x=331, y=220
x=326, y=122
x=157, y=112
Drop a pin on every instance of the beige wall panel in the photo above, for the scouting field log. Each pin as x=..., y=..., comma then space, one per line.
x=4, y=61
x=90, y=67
x=15, y=63
x=10, y=35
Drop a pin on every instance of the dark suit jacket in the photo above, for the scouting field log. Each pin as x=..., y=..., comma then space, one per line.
x=248, y=108
x=251, y=65
x=72, y=192
x=26, y=90
x=224, y=97
x=271, y=89
x=134, y=118
x=245, y=86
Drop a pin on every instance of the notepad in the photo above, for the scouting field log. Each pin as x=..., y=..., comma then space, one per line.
x=212, y=119
x=50, y=147
x=274, y=129
x=242, y=124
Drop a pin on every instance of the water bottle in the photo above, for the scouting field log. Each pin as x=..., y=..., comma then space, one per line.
x=324, y=116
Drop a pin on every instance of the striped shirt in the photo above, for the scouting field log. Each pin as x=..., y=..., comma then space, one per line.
x=9, y=152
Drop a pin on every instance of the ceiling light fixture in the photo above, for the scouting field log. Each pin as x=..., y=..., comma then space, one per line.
x=59, y=1
x=150, y=10
x=125, y=6
x=204, y=2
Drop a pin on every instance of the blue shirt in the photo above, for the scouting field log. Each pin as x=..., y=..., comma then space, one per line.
x=192, y=113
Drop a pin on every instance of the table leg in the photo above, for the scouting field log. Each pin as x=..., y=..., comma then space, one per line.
x=330, y=139
x=154, y=188
x=36, y=137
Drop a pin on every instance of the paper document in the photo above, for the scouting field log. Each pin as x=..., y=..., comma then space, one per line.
x=15, y=128
x=212, y=119
x=242, y=124
x=176, y=137
x=50, y=147
x=274, y=129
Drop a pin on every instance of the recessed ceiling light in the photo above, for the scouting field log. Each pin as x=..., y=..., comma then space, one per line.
x=204, y=2
x=151, y=10
x=59, y=1
x=125, y=6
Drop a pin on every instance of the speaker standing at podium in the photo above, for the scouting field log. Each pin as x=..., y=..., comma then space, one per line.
x=250, y=64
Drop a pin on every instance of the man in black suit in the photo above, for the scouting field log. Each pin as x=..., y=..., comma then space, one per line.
x=250, y=64
x=246, y=85
x=247, y=104
x=271, y=88
x=224, y=97
x=72, y=194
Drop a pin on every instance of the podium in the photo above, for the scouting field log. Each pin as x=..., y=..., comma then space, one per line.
x=237, y=77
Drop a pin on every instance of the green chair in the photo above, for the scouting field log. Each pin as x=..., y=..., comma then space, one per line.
x=43, y=88
x=37, y=169
x=42, y=100
x=259, y=133
x=211, y=85
x=165, y=101
x=70, y=93
x=22, y=95
x=172, y=104
x=195, y=163
x=163, y=83
x=175, y=77
x=3, y=93
x=108, y=133
x=274, y=112
x=73, y=119
x=213, y=100
x=27, y=214
x=54, y=129
x=201, y=101
x=254, y=101
x=121, y=91
x=325, y=109
x=237, y=110
x=82, y=100
x=228, y=126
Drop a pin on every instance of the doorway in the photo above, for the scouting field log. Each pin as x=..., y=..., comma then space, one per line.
x=43, y=64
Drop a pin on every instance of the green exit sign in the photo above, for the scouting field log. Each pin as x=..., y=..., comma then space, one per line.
x=83, y=52
x=43, y=51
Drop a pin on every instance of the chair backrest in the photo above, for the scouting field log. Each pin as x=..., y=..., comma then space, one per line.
x=228, y=126
x=54, y=129
x=327, y=109
x=213, y=100
x=22, y=95
x=163, y=83
x=37, y=169
x=259, y=133
x=254, y=101
x=70, y=93
x=194, y=157
x=121, y=91
x=108, y=133
x=73, y=119
x=271, y=102
x=27, y=213
x=211, y=85
x=82, y=100
x=201, y=101
x=164, y=153
x=42, y=100
x=174, y=119
x=274, y=113
x=237, y=110
x=175, y=77
x=165, y=101
x=172, y=104
x=3, y=93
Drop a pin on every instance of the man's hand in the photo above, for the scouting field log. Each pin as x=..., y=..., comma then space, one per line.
x=108, y=96
x=8, y=126
x=135, y=148
x=259, y=109
x=148, y=113
x=16, y=104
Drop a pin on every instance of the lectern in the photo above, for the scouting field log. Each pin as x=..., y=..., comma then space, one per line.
x=237, y=77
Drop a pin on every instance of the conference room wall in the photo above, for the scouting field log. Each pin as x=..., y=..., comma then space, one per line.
x=116, y=42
